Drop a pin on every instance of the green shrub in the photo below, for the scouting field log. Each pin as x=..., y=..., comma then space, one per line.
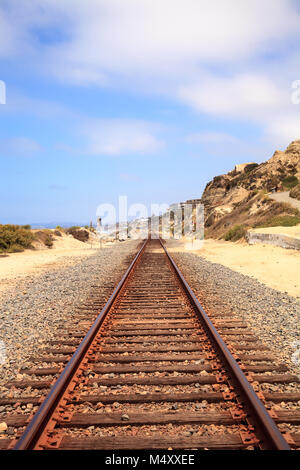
x=235, y=233
x=15, y=238
x=290, y=182
x=281, y=221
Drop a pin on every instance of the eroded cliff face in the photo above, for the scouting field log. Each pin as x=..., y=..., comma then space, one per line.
x=239, y=197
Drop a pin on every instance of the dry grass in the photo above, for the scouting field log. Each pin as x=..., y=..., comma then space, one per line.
x=15, y=238
x=295, y=192
x=269, y=213
x=45, y=237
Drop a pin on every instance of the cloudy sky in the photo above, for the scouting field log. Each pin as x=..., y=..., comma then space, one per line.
x=144, y=98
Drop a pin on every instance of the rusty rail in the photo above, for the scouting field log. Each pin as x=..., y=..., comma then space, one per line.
x=265, y=427
x=36, y=427
x=257, y=418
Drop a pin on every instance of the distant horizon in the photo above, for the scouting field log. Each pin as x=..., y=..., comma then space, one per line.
x=47, y=224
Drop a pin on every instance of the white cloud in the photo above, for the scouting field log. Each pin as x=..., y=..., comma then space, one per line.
x=99, y=41
x=7, y=34
x=232, y=59
x=252, y=98
x=44, y=109
x=164, y=37
x=238, y=96
x=19, y=146
x=102, y=136
x=120, y=136
x=283, y=128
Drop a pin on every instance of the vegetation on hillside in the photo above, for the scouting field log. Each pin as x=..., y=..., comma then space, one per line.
x=250, y=167
x=290, y=182
x=281, y=221
x=78, y=233
x=240, y=200
x=295, y=192
x=255, y=211
x=15, y=238
x=57, y=233
x=90, y=228
x=235, y=233
x=45, y=237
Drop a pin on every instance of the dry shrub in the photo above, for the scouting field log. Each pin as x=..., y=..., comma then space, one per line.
x=14, y=238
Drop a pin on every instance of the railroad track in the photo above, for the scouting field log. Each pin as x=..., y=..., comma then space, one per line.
x=153, y=372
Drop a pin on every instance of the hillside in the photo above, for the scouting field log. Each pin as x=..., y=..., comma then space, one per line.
x=239, y=200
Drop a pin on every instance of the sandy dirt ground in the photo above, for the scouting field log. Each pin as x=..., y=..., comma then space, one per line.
x=289, y=231
x=66, y=250
x=275, y=267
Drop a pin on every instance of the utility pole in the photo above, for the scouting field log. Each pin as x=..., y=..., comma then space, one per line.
x=99, y=230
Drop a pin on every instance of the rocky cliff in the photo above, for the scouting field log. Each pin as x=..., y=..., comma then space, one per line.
x=241, y=196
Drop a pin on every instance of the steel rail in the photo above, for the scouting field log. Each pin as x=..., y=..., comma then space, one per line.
x=265, y=428
x=269, y=434
x=37, y=425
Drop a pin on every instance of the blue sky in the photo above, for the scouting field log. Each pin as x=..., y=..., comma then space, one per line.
x=145, y=98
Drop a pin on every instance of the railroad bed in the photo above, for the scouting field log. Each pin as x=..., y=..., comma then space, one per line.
x=152, y=371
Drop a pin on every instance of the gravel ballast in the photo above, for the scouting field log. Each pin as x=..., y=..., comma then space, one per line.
x=272, y=315
x=33, y=309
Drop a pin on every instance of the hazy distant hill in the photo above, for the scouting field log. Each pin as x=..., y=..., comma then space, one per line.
x=55, y=224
